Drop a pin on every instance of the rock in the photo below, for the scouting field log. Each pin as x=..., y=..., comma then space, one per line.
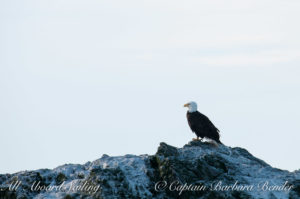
x=197, y=170
x=166, y=150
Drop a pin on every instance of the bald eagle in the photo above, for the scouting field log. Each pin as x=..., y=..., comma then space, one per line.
x=200, y=124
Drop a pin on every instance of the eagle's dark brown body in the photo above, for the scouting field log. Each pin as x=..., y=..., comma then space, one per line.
x=202, y=126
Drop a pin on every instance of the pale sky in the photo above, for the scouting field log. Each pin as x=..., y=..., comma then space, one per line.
x=79, y=79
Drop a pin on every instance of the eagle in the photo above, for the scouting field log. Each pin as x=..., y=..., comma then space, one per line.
x=200, y=124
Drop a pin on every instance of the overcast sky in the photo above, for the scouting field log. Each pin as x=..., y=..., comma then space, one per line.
x=79, y=79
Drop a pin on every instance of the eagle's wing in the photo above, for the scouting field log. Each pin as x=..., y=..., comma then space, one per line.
x=205, y=122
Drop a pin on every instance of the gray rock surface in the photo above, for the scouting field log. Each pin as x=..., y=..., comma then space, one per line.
x=197, y=170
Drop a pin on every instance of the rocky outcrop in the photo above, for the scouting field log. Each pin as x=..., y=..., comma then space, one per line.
x=197, y=170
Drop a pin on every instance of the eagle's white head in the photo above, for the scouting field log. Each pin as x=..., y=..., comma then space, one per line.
x=192, y=106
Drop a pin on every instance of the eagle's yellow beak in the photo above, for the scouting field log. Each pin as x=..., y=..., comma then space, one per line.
x=186, y=105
